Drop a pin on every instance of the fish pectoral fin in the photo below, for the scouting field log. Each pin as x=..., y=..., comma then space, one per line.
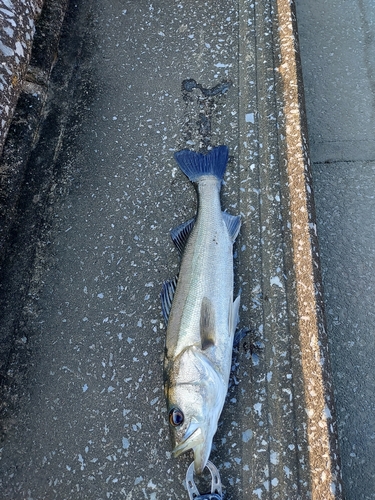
x=207, y=324
x=181, y=233
x=233, y=315
x=166, y=296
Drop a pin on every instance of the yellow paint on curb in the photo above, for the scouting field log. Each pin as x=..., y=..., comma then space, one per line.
x=323, y=471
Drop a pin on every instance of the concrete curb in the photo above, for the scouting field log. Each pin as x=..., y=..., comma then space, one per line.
x=295, y=381
x=321, y=425
x=18, y=22
x=29, y=53
x=321, y=428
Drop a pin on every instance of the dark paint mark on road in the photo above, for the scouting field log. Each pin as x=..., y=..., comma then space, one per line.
x=221, y=88
x=207, y=109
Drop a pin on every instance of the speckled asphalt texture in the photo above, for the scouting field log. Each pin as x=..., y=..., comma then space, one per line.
x=83, y=411
x=338, y=62
x=91, y=420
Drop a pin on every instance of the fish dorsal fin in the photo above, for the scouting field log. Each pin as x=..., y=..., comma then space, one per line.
x=233, y=315
x=233, y=223
x=166, y=295
x=207, y=324
x=181, y=233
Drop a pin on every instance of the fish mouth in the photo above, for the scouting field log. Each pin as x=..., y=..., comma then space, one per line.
x=200, y=446
x=190, y=441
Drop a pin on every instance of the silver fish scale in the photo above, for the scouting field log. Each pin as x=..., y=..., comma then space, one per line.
x=206, y=271
x=202, y=318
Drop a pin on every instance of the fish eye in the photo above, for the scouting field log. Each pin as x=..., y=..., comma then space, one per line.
x=176, y=417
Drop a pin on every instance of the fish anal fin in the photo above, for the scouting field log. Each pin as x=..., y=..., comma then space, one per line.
x=207, y=324
x=233, y=223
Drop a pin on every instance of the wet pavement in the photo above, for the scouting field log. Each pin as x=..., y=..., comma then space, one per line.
x=337, y=50
x=86, y=414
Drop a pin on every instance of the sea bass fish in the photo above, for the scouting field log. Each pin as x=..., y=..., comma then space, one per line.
x=199, y=311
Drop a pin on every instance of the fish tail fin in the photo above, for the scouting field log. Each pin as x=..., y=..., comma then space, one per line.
x=195, y=165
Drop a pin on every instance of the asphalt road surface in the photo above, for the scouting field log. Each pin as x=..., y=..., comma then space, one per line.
x=338, y=62
x=91, y=248
x=90, y=422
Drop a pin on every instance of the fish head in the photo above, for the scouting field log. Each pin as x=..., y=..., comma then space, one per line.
x=195, y=397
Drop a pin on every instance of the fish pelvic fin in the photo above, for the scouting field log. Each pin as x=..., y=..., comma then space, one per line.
x=234, y=315
x=195, y=165
x=207, y=324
